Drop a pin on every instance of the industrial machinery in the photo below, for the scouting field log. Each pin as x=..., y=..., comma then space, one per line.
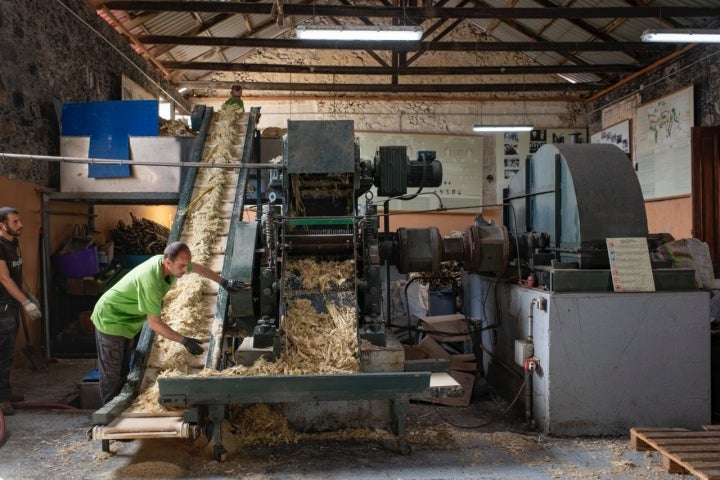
x=315, y=209
x=317, y=204
x=591, y=361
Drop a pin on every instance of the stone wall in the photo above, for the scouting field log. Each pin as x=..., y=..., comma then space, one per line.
x=700, y=66
x=52, y=53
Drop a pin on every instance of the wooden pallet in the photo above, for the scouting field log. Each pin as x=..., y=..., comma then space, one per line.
x=683, y=451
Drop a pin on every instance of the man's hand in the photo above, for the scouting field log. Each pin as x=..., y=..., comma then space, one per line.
x=32, y=298
x=192, y=346
x=233, y=285
x=32, y=309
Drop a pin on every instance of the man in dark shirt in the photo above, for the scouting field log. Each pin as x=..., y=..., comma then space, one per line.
x=12, y=297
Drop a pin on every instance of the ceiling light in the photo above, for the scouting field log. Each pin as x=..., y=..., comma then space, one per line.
x=567, y=78
x=681, y=35
x=359, y=32
x=183, y=89
x=502, y=128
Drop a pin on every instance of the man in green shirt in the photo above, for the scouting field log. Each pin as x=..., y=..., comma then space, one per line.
x=236, y=97
x=122, y=310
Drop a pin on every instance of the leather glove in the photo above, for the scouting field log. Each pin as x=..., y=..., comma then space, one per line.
x=233, y=285
x=32, y=309
x=192, y=346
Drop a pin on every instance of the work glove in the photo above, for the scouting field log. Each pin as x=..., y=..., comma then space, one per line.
x=30, y=296
x=32, y=309
x=192, y=346
x=233, y=285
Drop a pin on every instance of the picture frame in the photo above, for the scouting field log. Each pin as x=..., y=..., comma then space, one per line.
x=617, y=134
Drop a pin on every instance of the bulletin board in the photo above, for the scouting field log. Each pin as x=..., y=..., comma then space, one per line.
x=462, y=162
x=618, y=134
x=512, y=149
x=662, y=144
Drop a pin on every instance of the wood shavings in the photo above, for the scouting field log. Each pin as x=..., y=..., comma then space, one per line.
x=256, y=424
x=314, y=343
x=320, y=275
x=152, y=469
x=260, y=425
x=273, y=132
x=175, y=128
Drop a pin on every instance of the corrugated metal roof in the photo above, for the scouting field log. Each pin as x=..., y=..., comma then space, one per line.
x=229, y=28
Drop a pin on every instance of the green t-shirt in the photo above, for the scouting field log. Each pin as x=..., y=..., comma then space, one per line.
x=123, y=309
x=239, y=103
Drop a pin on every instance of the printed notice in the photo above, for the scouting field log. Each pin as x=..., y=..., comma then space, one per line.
x=630, y=265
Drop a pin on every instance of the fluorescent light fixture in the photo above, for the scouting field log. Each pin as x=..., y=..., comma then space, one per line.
x=567, y=78
x=502, y=128
x=359, y=32
x=681, y=35
x=183, y=89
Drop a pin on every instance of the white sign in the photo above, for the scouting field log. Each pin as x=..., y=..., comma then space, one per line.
x=630, y=264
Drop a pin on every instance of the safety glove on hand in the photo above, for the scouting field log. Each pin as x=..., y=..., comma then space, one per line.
x=233, y=285
x=192, y=346
x=32, y=298
x=32, y=309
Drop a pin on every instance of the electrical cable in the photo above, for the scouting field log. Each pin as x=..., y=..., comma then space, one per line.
x=492, y=420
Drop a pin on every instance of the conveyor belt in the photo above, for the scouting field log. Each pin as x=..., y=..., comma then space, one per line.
x=121, y=418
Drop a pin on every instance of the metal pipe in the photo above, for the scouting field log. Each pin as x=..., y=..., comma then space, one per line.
x=529, y=386
x=386, y=238
x=135, y=162
x=45, y=260
x=528, y=400
x=533, y=303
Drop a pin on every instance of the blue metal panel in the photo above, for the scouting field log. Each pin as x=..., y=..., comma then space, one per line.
x=109, y=124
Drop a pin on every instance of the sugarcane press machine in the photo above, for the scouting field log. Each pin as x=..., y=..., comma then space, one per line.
x=319, y=203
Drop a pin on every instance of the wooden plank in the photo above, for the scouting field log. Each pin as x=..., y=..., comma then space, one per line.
x=711, y=474
x=637, y=436
x=683, y=451
x=705, y=448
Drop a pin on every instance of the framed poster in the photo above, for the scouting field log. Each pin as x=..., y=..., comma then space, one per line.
x=662, y=144
x=618, y=134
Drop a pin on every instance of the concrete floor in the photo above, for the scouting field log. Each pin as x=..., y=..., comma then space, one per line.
x=475, y=442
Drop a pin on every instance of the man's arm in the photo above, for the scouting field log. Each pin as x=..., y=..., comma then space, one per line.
x=227, y=283
x=191, y=345
x=163, y=328
x=12, y=288
x=203, y=271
